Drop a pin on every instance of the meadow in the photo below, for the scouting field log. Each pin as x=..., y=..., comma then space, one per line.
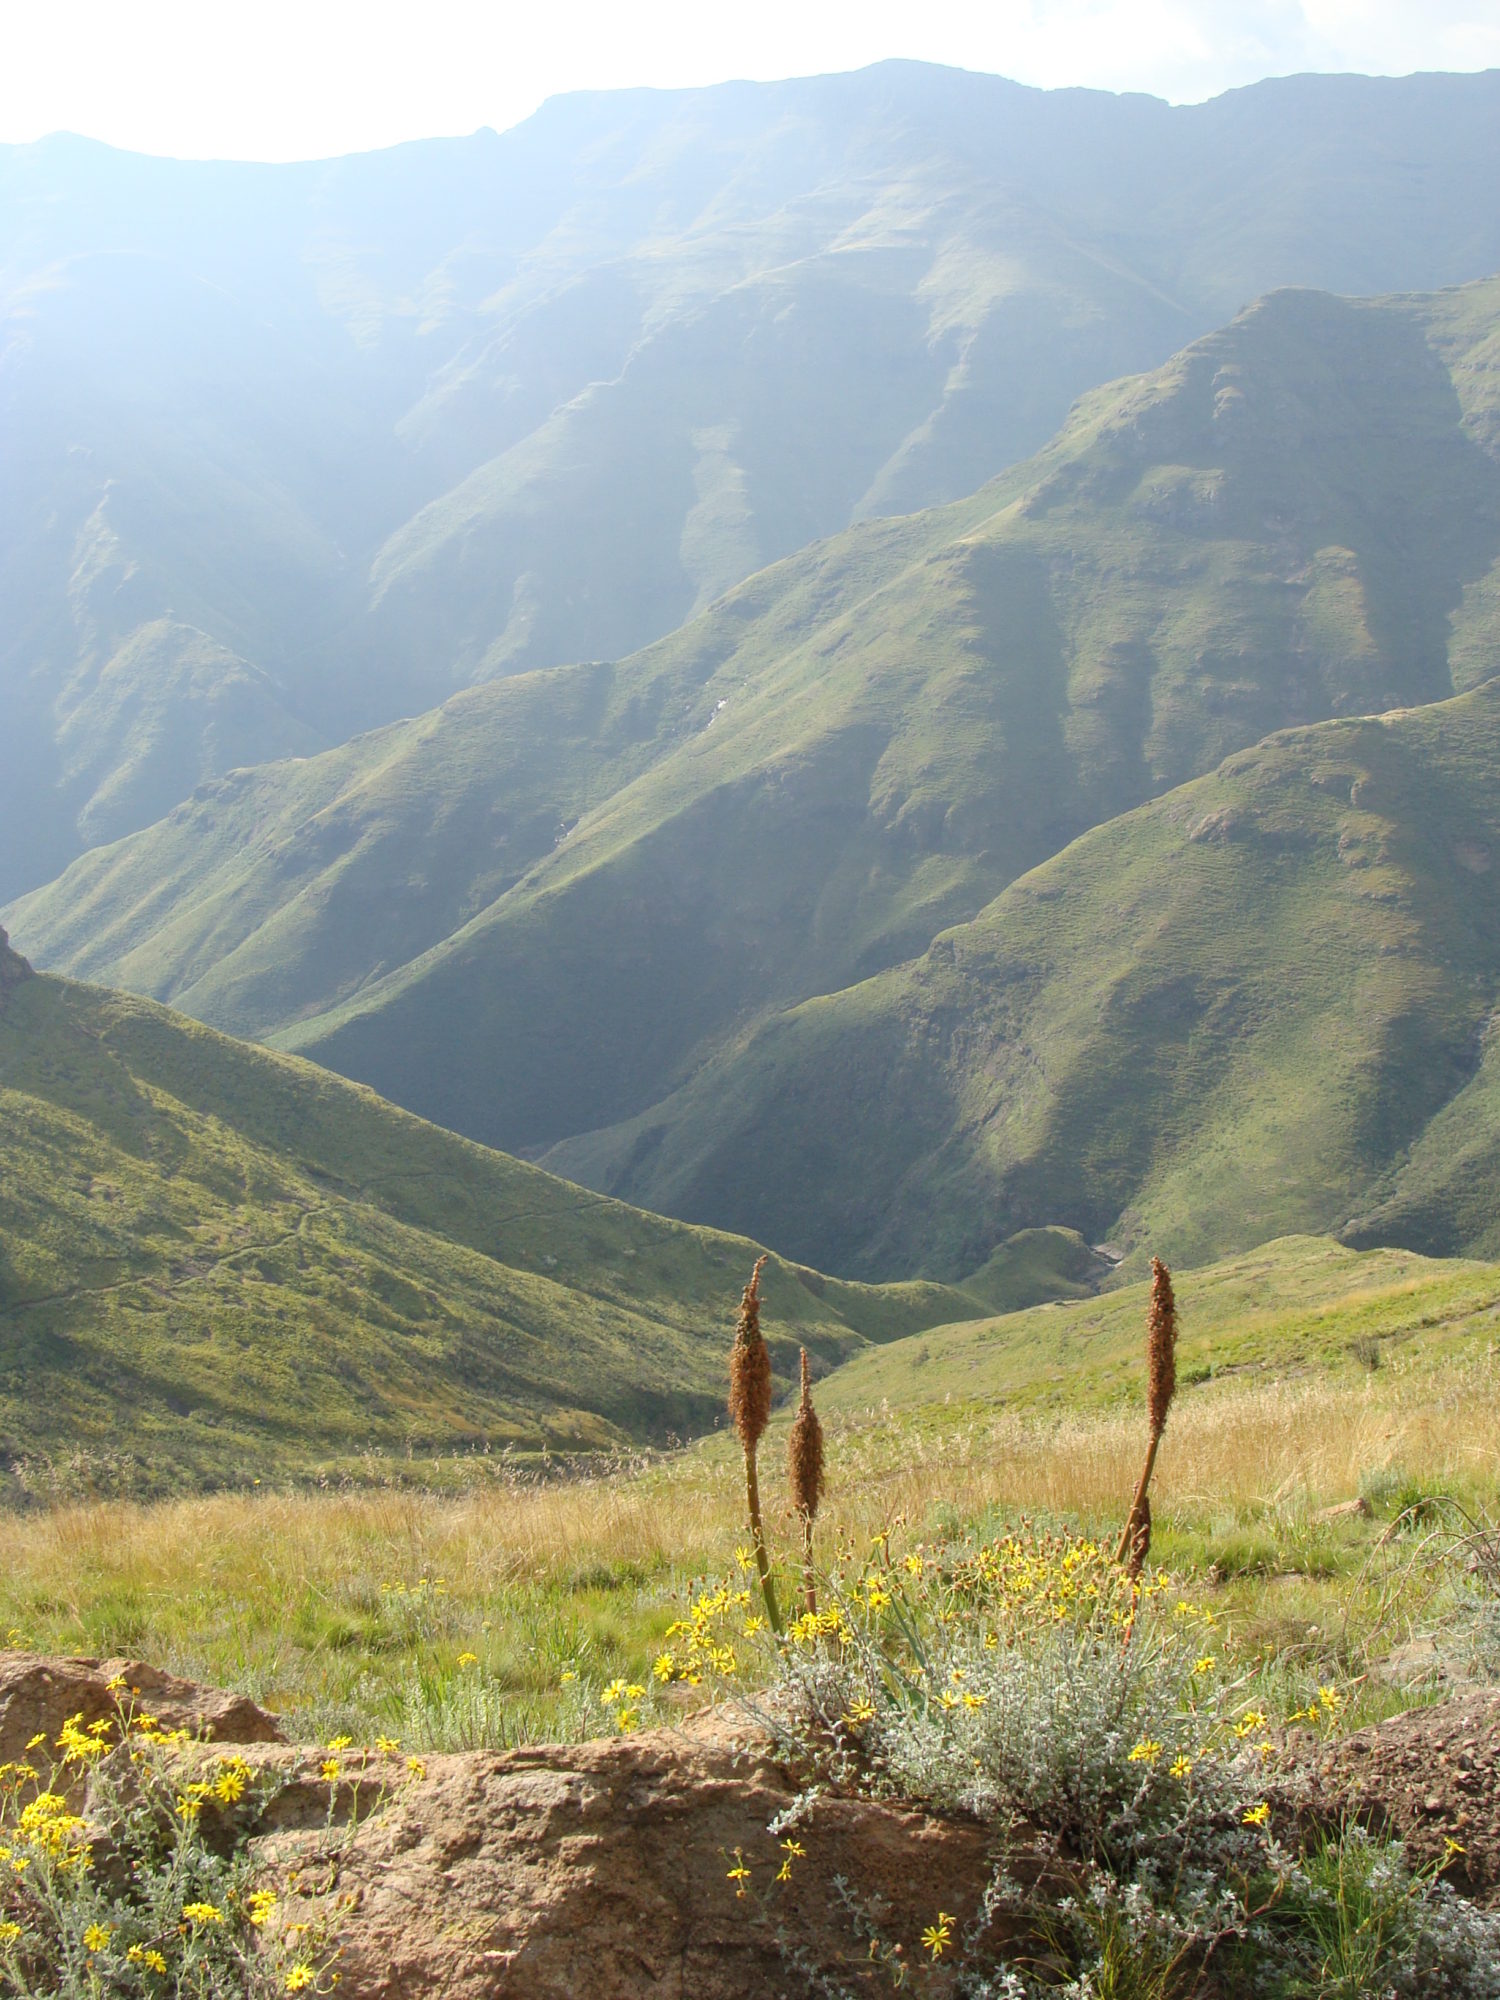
x=496, y=1612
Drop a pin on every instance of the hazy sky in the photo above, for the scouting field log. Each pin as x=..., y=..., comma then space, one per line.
x=290, y=79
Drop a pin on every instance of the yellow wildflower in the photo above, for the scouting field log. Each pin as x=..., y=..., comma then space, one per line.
x=203, y=1913
x=1258, y=1815
x=299, y=1978
x=1146, y=1751
x=416, y=1768
x=936, y=1936
x=229, y=1786
x=96, y=1938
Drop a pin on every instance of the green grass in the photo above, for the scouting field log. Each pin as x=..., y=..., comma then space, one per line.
x=353, y=1609
x=1300, y=1305
x=219, y=1265
x=1257, y=1006
x=586, y=909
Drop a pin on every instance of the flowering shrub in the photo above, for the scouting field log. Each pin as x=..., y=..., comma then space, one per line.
x=145, y=1889
x=1109, y=1722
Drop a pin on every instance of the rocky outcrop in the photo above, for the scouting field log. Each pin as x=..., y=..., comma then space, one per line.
x=680, y=1862
x=611, y=1869
x=1431, y=1776
x=37, y=1696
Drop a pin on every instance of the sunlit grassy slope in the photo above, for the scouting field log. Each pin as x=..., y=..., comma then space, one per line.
x=1301, y=1306
x=535, y=912
x=218, y=1264
x=1261, y=1004
x=314, y=445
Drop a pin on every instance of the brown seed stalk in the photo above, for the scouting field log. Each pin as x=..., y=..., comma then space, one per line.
x=750, y=1410
x=805, y=1473
x=1161, y=1386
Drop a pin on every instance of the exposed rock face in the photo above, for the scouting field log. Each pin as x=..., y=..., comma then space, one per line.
x=1432, y=1776
x=37, y=1696
x=608, y=1870
x=603, y=1869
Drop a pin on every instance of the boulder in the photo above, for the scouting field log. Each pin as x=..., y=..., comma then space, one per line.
x=37, y=1696
x=609, y=1869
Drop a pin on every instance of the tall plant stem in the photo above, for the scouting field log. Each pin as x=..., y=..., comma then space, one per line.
x=1136, y=1536
x=758, y=1537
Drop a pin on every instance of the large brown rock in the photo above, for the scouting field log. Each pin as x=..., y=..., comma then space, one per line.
x=608, y=1870
x=601, y=1871
x=37, y=1696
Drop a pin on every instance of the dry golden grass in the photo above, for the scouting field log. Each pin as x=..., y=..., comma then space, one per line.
x=328, y=1601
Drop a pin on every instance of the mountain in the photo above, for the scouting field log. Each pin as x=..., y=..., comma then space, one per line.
x=294, y=451
x=1264, y=1003
x=219, y=1264
x=568, y=908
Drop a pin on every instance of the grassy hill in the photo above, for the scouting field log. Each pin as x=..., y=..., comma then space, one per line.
x=537, y=913
x=1263, y=1003
x=219, y=1264
x=1298, y=1306
x=318, y=444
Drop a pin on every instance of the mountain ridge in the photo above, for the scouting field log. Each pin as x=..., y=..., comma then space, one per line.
x=538, y=911
x=379, y=427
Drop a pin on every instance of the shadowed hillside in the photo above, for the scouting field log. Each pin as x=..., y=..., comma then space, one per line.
x=1263, y=1003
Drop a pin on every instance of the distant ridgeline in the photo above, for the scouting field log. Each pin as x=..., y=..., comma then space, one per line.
x=293, y=451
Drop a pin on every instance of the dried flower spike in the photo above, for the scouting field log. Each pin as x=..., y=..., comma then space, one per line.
x=750, y=1409
x=1161, y=1386
x=750, y=1368
x=805, y=1473
x=1161, y=1347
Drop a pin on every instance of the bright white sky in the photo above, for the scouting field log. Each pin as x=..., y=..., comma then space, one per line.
x=293, y=79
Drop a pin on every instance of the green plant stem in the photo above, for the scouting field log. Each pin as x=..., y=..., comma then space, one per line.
x=758, y=1537
x=809, y=1584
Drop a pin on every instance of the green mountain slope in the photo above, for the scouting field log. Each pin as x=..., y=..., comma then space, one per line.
x=1263, y=1003
x=538, y=911
x=380, y=427
x=218, y=1264
x=1287, y=1308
